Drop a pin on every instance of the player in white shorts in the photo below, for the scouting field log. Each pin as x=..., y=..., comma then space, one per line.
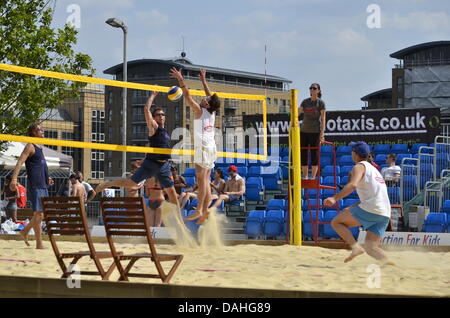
x=204, y=142
x=372, y=213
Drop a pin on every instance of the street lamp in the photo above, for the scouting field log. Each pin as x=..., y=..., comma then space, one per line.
x=116, y=23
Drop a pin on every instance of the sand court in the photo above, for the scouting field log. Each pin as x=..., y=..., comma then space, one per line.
x=283, y=267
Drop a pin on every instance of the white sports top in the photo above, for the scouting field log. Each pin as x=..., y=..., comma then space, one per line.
x=204, y=130
x=372, y=192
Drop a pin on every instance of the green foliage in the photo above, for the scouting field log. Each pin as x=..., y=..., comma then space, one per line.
x=27, y=39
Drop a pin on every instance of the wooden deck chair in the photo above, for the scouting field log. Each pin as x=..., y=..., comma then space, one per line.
x=67, y=216
x=129, y=217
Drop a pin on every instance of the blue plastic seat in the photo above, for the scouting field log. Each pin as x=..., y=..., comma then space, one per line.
x=254, y=171
x=271, y=177
x=435, y=223
x=353, y=195
x=446, y=206
x=191, y=225
x=326, y=193
x=276, y=204
x=400, y=158
x=253, y=188
x=243, y=171
x=190, y=181
x=312, y=203
x=329, y=171
x=312, y=193
x=328, y=230
x=326, y=149
x=326, y=160
x=284, y=152
x=344, y=180
x=382, y=149
x=415, y=147
x=394, y=195
x=254, y=223
x=329, y=181
x=349, y=202
x=345, y=160
x=285, y=167
x=189, y=172
x=345, y=170
x=307, y=224
x=343, y=150
x=273, y=222
x=380, y=159
x=399, y=148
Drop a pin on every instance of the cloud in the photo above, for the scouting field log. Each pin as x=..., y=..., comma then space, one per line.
x=152, y=18
x=106, y=4
x=419, y=21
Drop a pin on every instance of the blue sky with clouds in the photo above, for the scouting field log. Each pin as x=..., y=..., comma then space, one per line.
x=324, y=41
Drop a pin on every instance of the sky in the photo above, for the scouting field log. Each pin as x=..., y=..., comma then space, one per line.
x=341, y=44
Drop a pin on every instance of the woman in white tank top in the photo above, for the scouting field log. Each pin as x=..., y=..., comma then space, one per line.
x=204, y=143
x=372, y=213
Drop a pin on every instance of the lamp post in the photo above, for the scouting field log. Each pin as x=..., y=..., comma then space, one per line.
x=116, y=23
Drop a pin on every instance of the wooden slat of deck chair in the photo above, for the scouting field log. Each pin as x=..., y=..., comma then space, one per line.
x=67, y=216
x=129, y=217
x=24, y=213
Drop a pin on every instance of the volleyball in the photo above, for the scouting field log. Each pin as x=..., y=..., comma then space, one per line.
x=175, y=93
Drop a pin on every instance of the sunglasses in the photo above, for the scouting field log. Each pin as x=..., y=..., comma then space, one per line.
x=313, y=88
x=160, y=114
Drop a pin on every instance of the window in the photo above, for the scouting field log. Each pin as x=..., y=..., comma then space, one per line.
x=110, y=97
x=101, y=137
x=400, y=84
x=275, y=101
x=268, y=100
x=400, y=102
x=52, y=134
x=102, y=114
x=94, y=114
x=93, y=136
x=93, y=155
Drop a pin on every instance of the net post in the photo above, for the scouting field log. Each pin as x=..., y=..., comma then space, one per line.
x=295, y=209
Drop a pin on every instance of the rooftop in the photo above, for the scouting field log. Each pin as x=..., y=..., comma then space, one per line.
x=418, y=47
x=56, y=115
x=382, y=93
x=182, y=62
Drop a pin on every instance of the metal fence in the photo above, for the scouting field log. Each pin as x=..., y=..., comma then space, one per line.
x=445, y=130
x=442, y=155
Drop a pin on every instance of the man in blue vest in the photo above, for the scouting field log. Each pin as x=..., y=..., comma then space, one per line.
x=154, y=165
x=38, y=182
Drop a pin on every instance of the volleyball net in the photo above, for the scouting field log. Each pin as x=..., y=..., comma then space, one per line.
x=86, y=126
x=93, y=120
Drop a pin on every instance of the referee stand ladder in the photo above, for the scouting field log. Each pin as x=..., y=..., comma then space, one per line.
x=318, y=223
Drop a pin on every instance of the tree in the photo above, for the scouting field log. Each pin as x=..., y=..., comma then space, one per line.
x=27, y=39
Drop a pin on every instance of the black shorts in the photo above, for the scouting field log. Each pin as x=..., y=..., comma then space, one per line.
x=309, y=140
x=151, y=168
